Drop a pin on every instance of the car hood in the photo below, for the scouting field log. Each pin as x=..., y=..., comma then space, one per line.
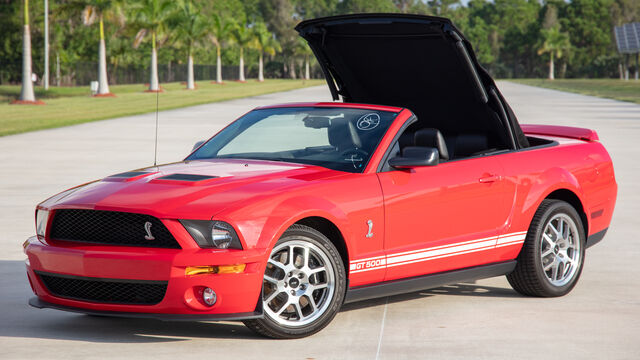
x=404, y=60
x=189, y=189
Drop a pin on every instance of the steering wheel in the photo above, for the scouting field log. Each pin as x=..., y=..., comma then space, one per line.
x=356, y=156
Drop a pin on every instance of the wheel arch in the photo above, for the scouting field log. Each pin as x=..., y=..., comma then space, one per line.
x=332, y=232
x=573, y=199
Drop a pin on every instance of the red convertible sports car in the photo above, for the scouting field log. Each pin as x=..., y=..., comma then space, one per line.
x=293, y=210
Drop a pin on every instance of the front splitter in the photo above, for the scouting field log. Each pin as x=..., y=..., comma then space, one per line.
x=37, y=303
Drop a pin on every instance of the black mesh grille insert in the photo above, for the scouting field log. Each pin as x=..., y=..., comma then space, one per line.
x=134, y=292
x=111, y=228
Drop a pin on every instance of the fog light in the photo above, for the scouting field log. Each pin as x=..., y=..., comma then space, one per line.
x=209, y=296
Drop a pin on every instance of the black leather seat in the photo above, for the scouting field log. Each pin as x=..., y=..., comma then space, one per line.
x=470, y=144
x=432, y=138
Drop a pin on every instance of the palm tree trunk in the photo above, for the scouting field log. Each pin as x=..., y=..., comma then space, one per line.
x=103, y=82
x=45, y=76
x=241, y=77
x=58, y=68
x=218, y=65
x=26, y=93
x=292, y=68
x=307, y=74
x=551, y=66
x=260, y=67
x=190, y=79
x=153, y=82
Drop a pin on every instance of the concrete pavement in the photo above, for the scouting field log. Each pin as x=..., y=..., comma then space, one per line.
x=599, y=319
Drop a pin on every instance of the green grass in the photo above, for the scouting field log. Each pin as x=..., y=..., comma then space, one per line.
x=74, y=105
x=606, y=88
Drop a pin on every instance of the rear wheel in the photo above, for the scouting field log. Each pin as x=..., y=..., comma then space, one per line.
x=303, y=287
x=551, y=260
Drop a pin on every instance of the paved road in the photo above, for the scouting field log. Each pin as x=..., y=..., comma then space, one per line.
x=600, y=319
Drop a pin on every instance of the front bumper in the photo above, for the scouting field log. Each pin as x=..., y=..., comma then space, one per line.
x=238, y=294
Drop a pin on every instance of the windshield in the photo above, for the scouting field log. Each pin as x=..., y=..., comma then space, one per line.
x=336, y=138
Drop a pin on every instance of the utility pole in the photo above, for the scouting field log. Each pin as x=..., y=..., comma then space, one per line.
x=45, y=76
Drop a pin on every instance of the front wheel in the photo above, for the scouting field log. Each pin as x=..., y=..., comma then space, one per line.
x=304, y=285
x=552, y=257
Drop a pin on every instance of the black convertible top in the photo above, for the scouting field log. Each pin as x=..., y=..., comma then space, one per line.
x=423, y=63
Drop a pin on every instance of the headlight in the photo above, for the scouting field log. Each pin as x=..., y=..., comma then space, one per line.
x=212, y=234
x=42, y=217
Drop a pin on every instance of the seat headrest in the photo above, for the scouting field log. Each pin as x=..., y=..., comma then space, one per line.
x=470, y=144
x=343, y=135
x=432, y=138
x=406, y=139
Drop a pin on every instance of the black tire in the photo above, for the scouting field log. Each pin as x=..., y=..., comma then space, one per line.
x=529, y=277
x=273, y=327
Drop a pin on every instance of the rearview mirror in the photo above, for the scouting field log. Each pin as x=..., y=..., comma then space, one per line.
x=197, y=145
x=415, y=156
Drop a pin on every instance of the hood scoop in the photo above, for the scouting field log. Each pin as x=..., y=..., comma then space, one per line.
x=186, y=179
x=129, y=176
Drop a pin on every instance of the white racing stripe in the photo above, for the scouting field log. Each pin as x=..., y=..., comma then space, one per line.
x=436, y=252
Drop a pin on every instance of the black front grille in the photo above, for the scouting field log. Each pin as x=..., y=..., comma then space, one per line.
x=111, y=228
x=115, y=291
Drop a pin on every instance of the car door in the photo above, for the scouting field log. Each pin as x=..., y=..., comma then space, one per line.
x=443, y=217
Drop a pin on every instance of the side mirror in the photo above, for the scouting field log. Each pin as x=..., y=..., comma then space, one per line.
x=415, y=156
x=197, y=145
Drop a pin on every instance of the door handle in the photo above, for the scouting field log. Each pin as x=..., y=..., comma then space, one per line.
x=489, y=178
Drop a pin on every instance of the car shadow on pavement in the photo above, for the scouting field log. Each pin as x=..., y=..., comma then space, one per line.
x=18, y=319
x=462, y=289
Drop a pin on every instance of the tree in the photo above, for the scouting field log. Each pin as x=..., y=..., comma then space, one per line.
x=303, y=50
x=589, y=25
x=97, y=9
x=219, y=33
x=555, y=44
x=443, y=7
x=27, y=96
x=243, y=37
x=280, y=19
x=265, y=43
x=366, y=6
x=190, y=29
x=151, y=18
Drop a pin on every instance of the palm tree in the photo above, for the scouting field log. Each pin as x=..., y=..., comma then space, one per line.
x=219, y=32
x=266, y=43
x=190, y=28
x=243, y=37
x=98, y=9
x=302, y=49
x=556, y=43
x=151, y=18
x=27, y=96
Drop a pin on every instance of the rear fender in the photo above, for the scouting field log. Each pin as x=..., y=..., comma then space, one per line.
x=560, y=179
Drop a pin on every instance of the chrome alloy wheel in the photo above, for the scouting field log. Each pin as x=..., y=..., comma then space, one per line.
x=299, y=283
x=560, y=250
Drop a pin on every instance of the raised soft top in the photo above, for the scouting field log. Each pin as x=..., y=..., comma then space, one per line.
x=419, y=62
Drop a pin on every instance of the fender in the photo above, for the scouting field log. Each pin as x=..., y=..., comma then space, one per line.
x=303, y=207
x=553, y=179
